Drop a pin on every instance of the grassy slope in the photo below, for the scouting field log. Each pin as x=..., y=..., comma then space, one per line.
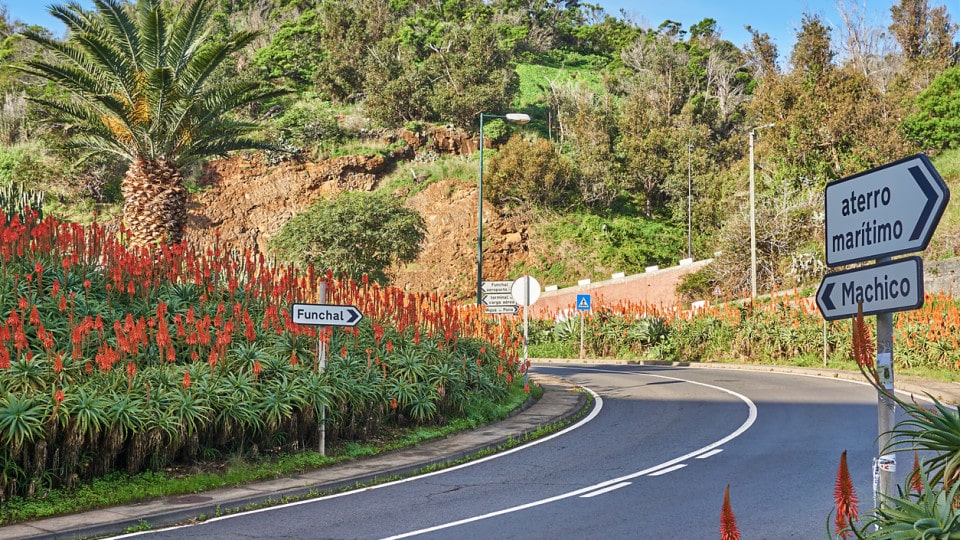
x=946, y=240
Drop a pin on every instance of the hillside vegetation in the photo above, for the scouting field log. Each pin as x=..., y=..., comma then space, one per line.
x=634, y=130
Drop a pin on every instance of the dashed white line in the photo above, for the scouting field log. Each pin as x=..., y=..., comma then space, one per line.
x=676, y=467
x=605, y=490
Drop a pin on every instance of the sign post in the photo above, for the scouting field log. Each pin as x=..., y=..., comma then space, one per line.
x=890, y=210
x=583, y=304
x=526, y=291
x=324, y=315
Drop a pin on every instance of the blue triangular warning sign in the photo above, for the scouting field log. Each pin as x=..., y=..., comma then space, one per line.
x=583, y=302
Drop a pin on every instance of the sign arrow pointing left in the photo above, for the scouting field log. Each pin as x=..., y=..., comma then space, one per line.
x=882, y=288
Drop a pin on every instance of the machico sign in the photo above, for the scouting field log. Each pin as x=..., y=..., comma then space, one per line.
x=890, y=210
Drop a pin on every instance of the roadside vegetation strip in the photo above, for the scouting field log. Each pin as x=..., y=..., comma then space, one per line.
x=784, y=330
x=117, y=361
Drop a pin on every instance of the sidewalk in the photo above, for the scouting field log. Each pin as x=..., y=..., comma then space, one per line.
x=560, y=401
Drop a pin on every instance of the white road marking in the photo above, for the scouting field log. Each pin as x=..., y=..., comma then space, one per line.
x=598, y=405
x=676, y=467
x=751, y=418
x=665, y=466
x=605, y=490
x=710, y=453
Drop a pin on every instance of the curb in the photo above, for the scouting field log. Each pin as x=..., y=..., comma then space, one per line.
x=401, y=463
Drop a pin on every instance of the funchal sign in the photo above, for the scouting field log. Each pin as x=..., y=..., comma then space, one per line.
x=877, y=214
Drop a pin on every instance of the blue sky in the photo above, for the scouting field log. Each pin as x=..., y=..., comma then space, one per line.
x=779, y=18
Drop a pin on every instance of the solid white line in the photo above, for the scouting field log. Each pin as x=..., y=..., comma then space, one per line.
x=605, y=490
x=751, y=418
x=710, y=453
x=598, y=405
x=668, y=469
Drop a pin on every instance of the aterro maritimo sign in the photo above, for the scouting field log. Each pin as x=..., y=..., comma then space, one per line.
x=886, y=211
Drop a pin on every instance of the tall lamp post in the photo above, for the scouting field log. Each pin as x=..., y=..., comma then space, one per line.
x=689, y=204
x=753, y=220
x=518, y=118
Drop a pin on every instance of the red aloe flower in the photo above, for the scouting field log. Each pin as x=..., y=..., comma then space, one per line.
x=256, y=369
x=846, y=499
x=916, y=482
x=728, y=522
x=58, y=398
x=186, y=379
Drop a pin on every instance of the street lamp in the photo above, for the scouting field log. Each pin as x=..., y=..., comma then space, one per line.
x=753, y=220
x=518, y=118
x=689, y=204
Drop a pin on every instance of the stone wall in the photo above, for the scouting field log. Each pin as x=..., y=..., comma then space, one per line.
x=942, y=277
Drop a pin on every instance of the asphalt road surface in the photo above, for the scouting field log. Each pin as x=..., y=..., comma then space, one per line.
x=650, y=461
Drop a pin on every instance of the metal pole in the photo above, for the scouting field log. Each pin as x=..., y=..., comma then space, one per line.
x=322, y=354
x=753, y=227
x=689, y=204
x=480, y=219
x=886, y=408
x=526, y=302
x=581, y=335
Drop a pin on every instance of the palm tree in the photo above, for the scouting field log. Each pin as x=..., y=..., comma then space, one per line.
x=141, y=83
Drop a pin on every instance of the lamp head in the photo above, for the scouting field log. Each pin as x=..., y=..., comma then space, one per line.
x=517, y=118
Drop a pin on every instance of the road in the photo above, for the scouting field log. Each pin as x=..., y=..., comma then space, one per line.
x=651, y=461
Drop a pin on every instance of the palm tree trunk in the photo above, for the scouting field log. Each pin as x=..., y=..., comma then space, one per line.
x=155, y=202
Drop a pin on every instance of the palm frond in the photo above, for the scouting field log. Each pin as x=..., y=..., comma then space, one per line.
x=187, y=35
x=118, y=25
x=153, y=26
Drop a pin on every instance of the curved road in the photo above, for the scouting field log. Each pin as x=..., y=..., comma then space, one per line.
x=651, y=461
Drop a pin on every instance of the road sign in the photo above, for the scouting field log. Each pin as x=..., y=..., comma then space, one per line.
x=512, y=309
x=498, y=299
x=886, y=211
x=325, y=314
x=583, y=302
x=526, y=290
x=883, y=288
x=495, y=287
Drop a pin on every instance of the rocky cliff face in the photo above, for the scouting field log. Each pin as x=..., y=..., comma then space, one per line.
x=247, y=201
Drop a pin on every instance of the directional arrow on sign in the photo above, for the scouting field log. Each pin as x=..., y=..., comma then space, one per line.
x=883, y=288
x=886, y=211
x=498, y=299
x=325, y=314
x=502, y=310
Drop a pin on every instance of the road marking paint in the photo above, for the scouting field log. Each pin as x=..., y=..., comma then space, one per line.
x=710, y=453
x=676, y=467
x=751, y=419
x=597, y=407
x=605, y=490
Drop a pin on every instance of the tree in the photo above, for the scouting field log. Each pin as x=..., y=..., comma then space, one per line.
x=761, y=54
x=142, y=88
x=529, y=172
x=812, y=54
x=355, y=233
x=926, y=35
x=936, y=123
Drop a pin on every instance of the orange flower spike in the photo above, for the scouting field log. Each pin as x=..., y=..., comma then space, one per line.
x=728, y=522
x=845, y=497
x=916, y=483
x=186, y=379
